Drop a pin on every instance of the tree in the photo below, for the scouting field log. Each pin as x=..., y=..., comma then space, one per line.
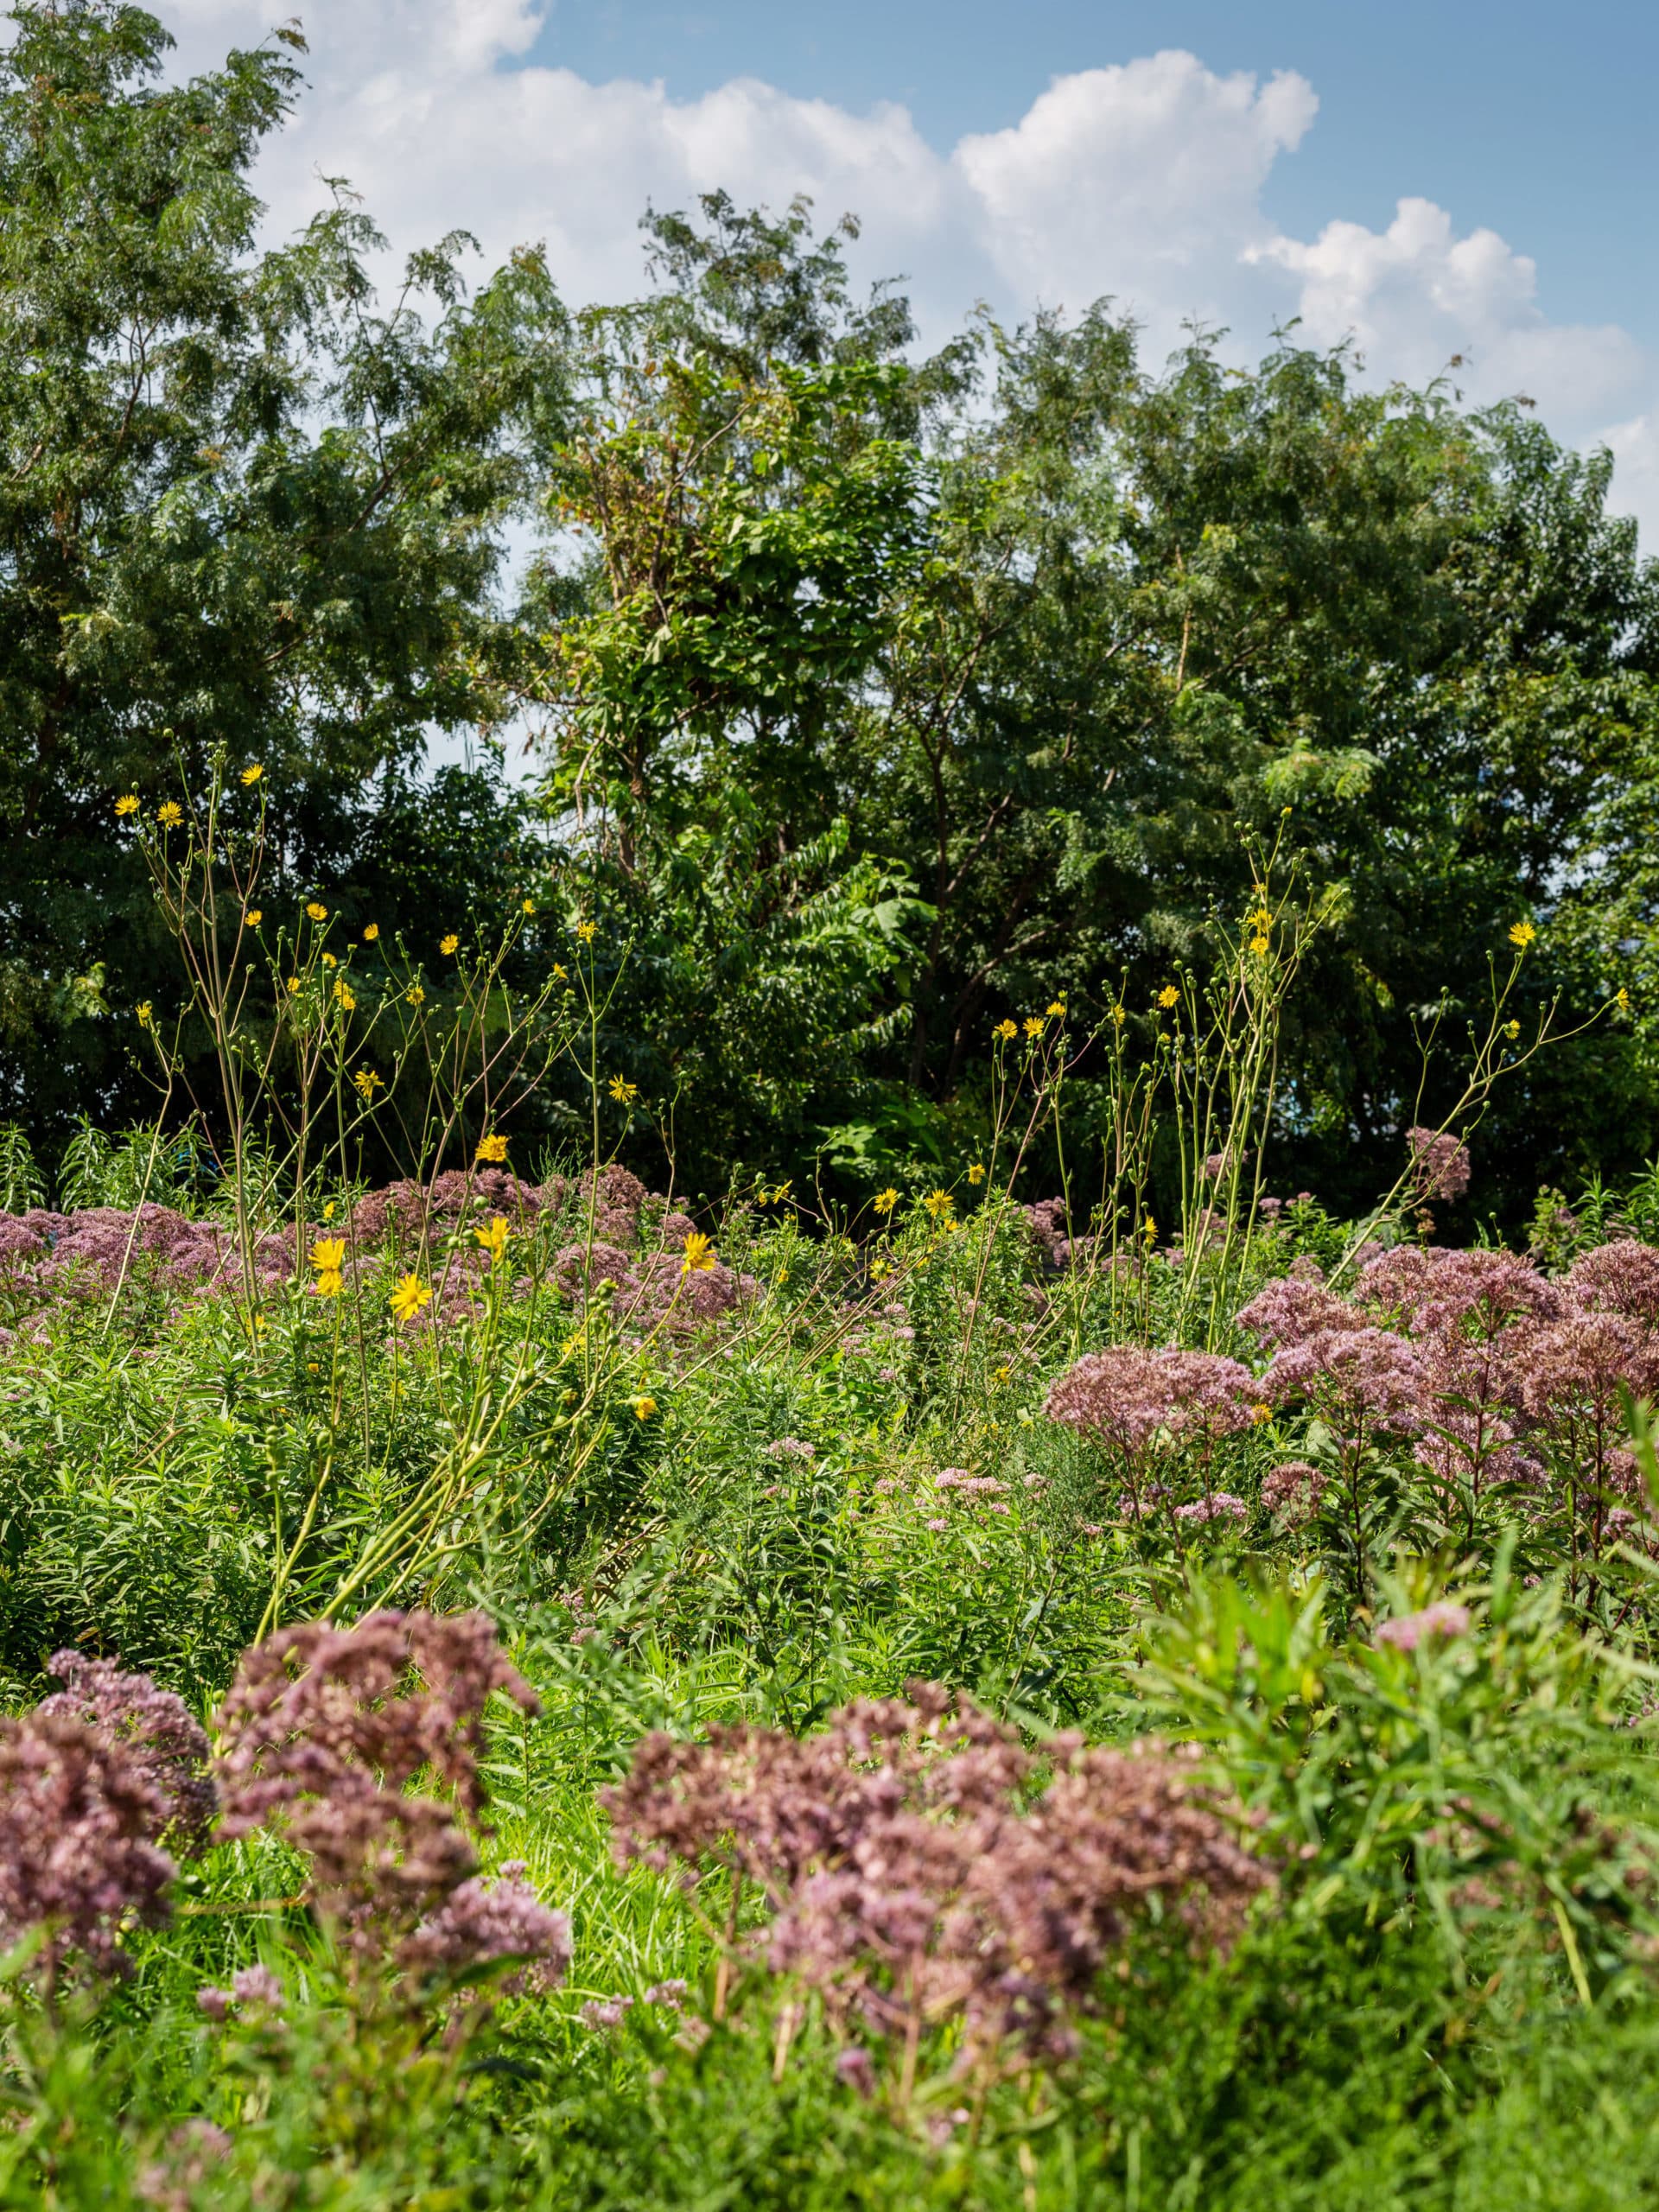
x=241, y=508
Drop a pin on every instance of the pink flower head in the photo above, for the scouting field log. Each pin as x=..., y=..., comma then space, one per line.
x=1125, y=1397
x=1407, y=1631
x=1361, y=1379
x=1440, y=1164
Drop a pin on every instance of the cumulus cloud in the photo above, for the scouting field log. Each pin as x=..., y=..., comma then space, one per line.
x=1142, y=180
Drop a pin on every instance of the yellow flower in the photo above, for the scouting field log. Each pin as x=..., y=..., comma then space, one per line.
x=329, y=961
x=409, y=1294
x=371, y=932
x=644, y=1406
x=367, y=1083
x=1512, y=1030
x=560, y=973
x=315, y=909
x=169, y=815
x=1168, y=997
x=1002, y=1375
x=528, y=907
x=343, y=993
x=624, y=1093
x=1033, y=1025
x=1522, y=935
x=1151, y=1229
x=416, y=995
x=449, y=943
x=1259, y=1413
x=1623, y=999
x=127, y=803
x=292, y=986
x=1261, y=921
x=253, y=917
x=328, y=1210
x=493, y=1149
x=1119, y=1017
x=1058, y=1007
x=886, y=1200
x=330, y=1283
x=252, y=772
x=494, y=1238
x=699, y=1253
x=939, y=1202
x=142, y=1011
x=976, y=1172
x=585, y=931
x=1259, y=947
x=1006, y=1031
x=328, y=1255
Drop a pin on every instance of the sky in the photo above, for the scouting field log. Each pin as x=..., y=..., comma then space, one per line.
x=1429, y=180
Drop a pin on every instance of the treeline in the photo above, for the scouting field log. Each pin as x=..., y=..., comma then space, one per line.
x=880, y=696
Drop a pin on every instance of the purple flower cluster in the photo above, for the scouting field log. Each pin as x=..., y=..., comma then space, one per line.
x=1440, y=1165
x=157, y=1730
x=1157, y=1414
x=907, y=1878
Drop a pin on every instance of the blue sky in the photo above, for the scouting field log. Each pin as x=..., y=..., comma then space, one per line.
x=1428, y=181
x=1536, y=120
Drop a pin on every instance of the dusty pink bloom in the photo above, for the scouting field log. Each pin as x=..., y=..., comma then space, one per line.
x=789, y=1447
x=177, y=2181
x=483, y=1925
x=158, y=1731
x=1621, y=1278
x=1125, y=1397
x=1575, y=1371
x=903, y=1870
x=1220, y=1505
x=1364, y=1380
x=1440, y=1164
x=671, y=1994
x=1431, y=1291
x=323, y=1728
x=1292, y=1490
x=600, y=2012
x=79, y=1816
x=1409, y=1629
x=256, y=1988
x=856, y=2069
x=937, y=1527
x=1294, y=1307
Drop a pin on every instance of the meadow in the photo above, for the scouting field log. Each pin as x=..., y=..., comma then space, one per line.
x=519, y=1690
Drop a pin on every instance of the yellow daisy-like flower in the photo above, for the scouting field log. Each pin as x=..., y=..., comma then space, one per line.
x=329, y=961
x=371, y=932
x=1622, y=1000
x=451, y=944
x=329, y=1283
x=585, y=930
x=560, y=972
x=976, y=1172
x=127, y=803
x=644, y=1406
x=494, y=1238
x=1033, y=1025
x=1119, y=1017
x=416, y=995
x=1168, y=997
x=329, y=1255
x=625, y=1093
x=331, y=1208
x=367, y=1083
x=939, y=1202
x=293, y=987
x=343, y=993
x=169, y=814
x=1259, y=946
x=527, y=907
x=1259, y=1414
x=409, y=1294
x=699, y=1258
x=254, y=916
x=1149, y=1229
x=1058, y=1007
x=142, y=1011
x=1511, y=1030
x=316, y=911
x=252, y=772
x=886, y=1200
x=493, y=1149
x=1006, y=1031
x=1002, y=1375
x=1522, y=935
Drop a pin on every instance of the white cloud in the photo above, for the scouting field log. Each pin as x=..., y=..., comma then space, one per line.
x=1142, y=180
